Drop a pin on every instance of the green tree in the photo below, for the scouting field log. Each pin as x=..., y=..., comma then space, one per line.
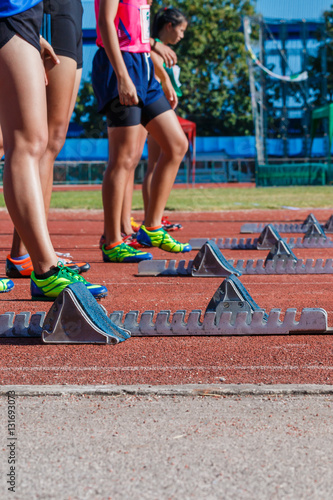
x=86, y=115
x=214, y=71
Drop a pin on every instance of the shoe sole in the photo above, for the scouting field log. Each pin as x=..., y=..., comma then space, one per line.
x=14, y=273
x=136, y=261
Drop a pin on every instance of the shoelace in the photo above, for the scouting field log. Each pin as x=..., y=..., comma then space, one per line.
x=70, y=273
x=168, y=239
x=126, y=249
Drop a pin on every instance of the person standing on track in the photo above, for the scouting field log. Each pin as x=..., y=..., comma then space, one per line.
x=23, y=117
x=130, y=96
x=62, y=23
x=169, y=26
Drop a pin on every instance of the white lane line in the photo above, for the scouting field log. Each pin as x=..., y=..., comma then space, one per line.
x=160, y=368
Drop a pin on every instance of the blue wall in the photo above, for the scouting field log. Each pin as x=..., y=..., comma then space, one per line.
x=225, y=147
x=97, y=149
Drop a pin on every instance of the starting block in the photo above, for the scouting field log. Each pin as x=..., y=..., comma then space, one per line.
x=76, y=317
x=232, y=296
x=23, y=324
x=280, y=260
x=253, y=227
x=328, y=226
x=209, y=262
x=314, y=238
x=281, y=251
x=231, y=311
x=268, y=237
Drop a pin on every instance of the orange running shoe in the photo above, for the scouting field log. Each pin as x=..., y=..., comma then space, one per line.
x=22, y=267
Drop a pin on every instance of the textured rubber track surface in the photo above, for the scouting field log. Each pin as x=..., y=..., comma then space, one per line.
x=290, y=359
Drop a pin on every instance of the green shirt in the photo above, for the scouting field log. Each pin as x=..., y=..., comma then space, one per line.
x=173, y=74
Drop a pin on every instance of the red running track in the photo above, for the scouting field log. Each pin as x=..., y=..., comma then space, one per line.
x=158, y=360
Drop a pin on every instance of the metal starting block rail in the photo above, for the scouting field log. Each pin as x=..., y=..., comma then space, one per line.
x=255, y=227
x=231, y=311
x=268, y=237
x=280, y=260
x=74, y=317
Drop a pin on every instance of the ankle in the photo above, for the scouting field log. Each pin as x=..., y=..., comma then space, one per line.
x=154, y=228
x=113, y=245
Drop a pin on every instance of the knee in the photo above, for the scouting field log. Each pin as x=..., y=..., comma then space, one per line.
x=179, y=147
x=128, y=160
x=33, y=146
x=56, y=140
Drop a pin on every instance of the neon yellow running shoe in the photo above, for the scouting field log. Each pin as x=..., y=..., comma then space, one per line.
x=50, y=288
x=161, y=239
x=6, y=285
x=124, y=253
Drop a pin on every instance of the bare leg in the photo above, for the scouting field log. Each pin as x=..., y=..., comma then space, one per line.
x=24, y=121
x=167, y=132
x=61, y=92
x=126, y=226
x=123, y=155
x=154, y=152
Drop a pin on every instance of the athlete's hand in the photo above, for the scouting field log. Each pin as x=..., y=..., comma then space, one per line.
x=127, y=92
x=170, y=92
x=47, y=54
x=168, y=55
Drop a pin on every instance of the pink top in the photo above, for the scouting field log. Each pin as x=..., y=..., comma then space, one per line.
x=132, y=24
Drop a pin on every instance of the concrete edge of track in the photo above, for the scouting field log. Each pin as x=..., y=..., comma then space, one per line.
x=168, y=390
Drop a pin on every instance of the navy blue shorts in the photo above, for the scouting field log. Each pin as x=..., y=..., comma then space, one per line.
x=26, y=24
x=152, y=101
x=62, y=28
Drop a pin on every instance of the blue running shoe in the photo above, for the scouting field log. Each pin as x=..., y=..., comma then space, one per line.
x=6, y=285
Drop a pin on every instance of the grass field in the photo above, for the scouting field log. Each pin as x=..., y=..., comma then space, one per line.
x=211, y=199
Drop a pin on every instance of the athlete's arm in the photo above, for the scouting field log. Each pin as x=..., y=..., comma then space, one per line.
x=47, y=54
x=167, y=54
x=126, y=89
x=163, y=76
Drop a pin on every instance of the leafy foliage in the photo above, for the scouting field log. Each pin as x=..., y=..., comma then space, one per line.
x=86, y=115
x=214, y=72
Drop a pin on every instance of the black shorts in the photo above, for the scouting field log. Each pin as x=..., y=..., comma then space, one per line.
x=27, y=24
x=62, y=28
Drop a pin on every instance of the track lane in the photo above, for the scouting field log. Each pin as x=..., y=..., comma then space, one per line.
x=172, y=360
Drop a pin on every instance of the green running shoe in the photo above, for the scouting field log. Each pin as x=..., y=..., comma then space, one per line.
x=124, y=253
x=160, y=238
x=50, y=288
